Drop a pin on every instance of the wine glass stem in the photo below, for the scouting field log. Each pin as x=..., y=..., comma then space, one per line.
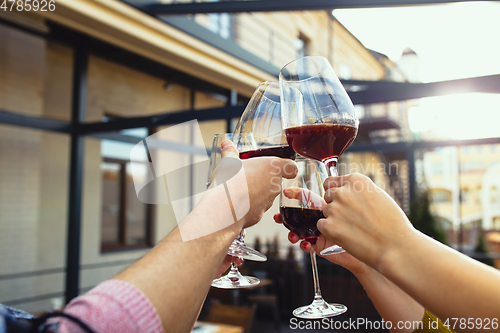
x=241, y=236
x=317, y=290
x=331, y=164
x=234, y=268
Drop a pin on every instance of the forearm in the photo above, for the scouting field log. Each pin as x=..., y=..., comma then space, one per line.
x=176, y=275
x=446, y=282
x=391, y=302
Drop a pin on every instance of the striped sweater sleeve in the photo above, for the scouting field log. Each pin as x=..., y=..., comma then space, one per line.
x=113, y=306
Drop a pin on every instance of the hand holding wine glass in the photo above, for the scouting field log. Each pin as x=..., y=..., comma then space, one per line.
x=314, y=201
x=264, y=176
x=343, y=259
x=222, y=149
x=263, y=179
x=363, y=218
x=259, y=132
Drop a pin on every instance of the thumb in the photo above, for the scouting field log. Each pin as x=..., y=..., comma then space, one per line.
x=288, y=168
x=228, y=149
x=327, y=228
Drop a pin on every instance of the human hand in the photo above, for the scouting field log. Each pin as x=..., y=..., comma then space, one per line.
x=343, y=259
x=228, y=260
x=263, y=179
x=362, y=218
x=311, y=199
x=314, y=201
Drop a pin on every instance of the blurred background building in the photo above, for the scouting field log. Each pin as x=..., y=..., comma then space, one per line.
x=80, y=85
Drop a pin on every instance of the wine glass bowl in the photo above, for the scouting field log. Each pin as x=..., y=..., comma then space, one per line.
x=301, y=204
x=318, y=115
x=262, y=118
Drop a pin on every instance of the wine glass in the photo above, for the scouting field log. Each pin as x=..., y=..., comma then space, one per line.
x=234, y=279
x=262, y=118
x=318, y=115
x=301, y=206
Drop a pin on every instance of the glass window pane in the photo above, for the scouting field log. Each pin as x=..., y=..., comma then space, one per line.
x=135, y=213
x=110, y=202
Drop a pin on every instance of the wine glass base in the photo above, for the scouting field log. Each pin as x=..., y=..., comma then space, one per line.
x=319, y=309
x=235, y=282
x=239, y=249
x=335, y=249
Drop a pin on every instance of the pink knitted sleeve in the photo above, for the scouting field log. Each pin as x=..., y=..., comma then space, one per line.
x=113, y=306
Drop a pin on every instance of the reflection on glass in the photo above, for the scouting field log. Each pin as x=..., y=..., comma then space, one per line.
x=126, y=220
x=135, y=213
x=110, y=202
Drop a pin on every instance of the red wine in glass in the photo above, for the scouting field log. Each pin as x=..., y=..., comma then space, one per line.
x=321, y=142
x=283, y=151
x=302, y=221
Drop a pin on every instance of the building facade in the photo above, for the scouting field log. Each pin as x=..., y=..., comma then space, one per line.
x=463, y=184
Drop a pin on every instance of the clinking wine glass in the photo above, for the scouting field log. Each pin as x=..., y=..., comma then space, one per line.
x=301, y=204
x=318, y=115
x=234, y=279
x=262, y=118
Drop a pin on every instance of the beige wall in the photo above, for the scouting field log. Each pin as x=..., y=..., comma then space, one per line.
x=271, y=36
x=36, y=79
x=21, y=86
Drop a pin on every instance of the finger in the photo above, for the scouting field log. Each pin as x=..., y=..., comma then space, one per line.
x=288, y=168
x=228, y=149
x=301, y=194
x=327, y=210
x=295, y=192
x=322, y=244
x=277, y=218
x=224, y=266
x=331, y=194
x=335, y=181
x=308, y=197
x=305, y=246
x=327, y=229
x=293, y=237
x=230, y=259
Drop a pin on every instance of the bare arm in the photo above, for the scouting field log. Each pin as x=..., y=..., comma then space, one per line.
x=448, y=283
x=366, y=222
x=176, y=274
x=393, y=304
